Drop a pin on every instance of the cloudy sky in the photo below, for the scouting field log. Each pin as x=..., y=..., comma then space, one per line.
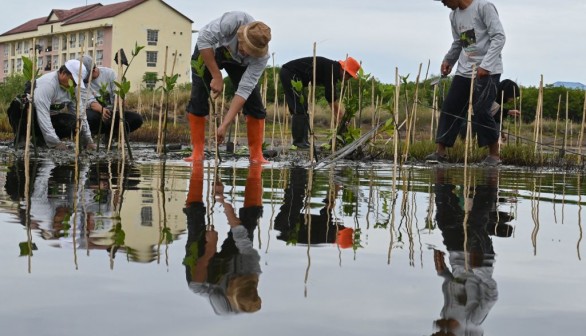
x=543, y=37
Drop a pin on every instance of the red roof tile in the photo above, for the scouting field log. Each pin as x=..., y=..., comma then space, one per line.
x=82, y=14
x=26, y=27
x=103, y=12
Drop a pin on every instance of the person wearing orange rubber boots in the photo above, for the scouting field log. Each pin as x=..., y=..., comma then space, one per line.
x=226, y=274
x=238, y=44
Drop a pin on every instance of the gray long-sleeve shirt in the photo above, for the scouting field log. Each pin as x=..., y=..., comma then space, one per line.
x=479, y=38
x=107, y=77
x=222, y=32
x=49, y=92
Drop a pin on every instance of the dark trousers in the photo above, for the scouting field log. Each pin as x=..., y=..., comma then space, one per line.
x=132, y=121
x=199, y=100
x=296, y=101
x=455, y=109
x=63, y=123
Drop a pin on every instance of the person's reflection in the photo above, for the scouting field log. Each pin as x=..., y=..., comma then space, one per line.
x=469, y=289
x=52, y=195
x=229, y=277
x=293, y=224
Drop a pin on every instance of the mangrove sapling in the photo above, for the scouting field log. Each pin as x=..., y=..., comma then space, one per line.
x=123, y=89
x=199, y=67
x=169, y=83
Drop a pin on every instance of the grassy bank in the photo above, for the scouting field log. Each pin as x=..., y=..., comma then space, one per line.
x=520, y=149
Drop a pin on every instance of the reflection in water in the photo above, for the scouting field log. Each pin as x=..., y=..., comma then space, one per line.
x=177, y=212
x=228, y=277
x=78, y=218
x=469, y=289
x=297, y=226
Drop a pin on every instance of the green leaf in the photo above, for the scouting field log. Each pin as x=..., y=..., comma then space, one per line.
x=27, y=249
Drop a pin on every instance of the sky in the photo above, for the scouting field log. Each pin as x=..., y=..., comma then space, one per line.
x=544, y=37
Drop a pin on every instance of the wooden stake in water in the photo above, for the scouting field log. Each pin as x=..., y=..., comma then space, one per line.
x=557, y=119
x=312, y=106
x=468, y=140
x=581, y=137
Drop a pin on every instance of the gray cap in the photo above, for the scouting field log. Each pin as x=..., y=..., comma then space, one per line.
x=89, y=64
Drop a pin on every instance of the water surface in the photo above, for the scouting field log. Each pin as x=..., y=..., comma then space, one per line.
x=183, y=250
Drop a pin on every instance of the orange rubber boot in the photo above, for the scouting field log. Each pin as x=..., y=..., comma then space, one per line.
x=253, y=187
x=255, y=129
x=195, y=193
x=197, y=126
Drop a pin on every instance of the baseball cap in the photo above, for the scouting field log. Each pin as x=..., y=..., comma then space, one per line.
x=73, y=67
x=89, y=65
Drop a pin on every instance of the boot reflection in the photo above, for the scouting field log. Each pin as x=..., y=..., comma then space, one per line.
x=227, y=277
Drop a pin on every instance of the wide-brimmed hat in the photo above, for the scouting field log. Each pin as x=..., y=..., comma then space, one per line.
x=254, y=38
x=351, y=66
x=73, y=67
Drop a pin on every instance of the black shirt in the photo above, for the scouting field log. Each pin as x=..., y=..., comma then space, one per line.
x=327, y=72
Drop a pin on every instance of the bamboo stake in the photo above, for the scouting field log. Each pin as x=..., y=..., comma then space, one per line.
x=567, y=119
x=410, y=118
x=433, y=112
x=396, y=133
x=30, y=110
x=467, y=142
x=557, y=119
x=77, y=103
x=581, y=137
x=275, y=103
x=312, y=106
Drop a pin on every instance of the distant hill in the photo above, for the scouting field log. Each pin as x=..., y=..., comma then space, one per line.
x=570, y=85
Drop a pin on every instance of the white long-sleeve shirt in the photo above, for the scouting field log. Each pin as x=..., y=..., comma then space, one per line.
x=222, y=32
x=48, y=92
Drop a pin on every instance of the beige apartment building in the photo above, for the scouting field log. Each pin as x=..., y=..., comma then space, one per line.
x=100, y=31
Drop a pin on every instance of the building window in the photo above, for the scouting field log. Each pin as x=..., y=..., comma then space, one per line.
x=6, y=49
x=40, y=62
x=55, y=44
x=91, y=38
x=19, y=64
x=146, y=216
x=18, y=48
x=151, y=57
x=64, y=42
x=71, y=56
x=25, y=48
x=99, y=57
x=48, y=63
x=56, y=63
x=152, y=37
x=100, y=37
x=72, y=38
x=81, y=40
x=5, y=66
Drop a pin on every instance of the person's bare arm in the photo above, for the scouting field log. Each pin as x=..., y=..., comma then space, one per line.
x=217, y=83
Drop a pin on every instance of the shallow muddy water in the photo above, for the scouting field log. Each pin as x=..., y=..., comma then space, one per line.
x=175, y=249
